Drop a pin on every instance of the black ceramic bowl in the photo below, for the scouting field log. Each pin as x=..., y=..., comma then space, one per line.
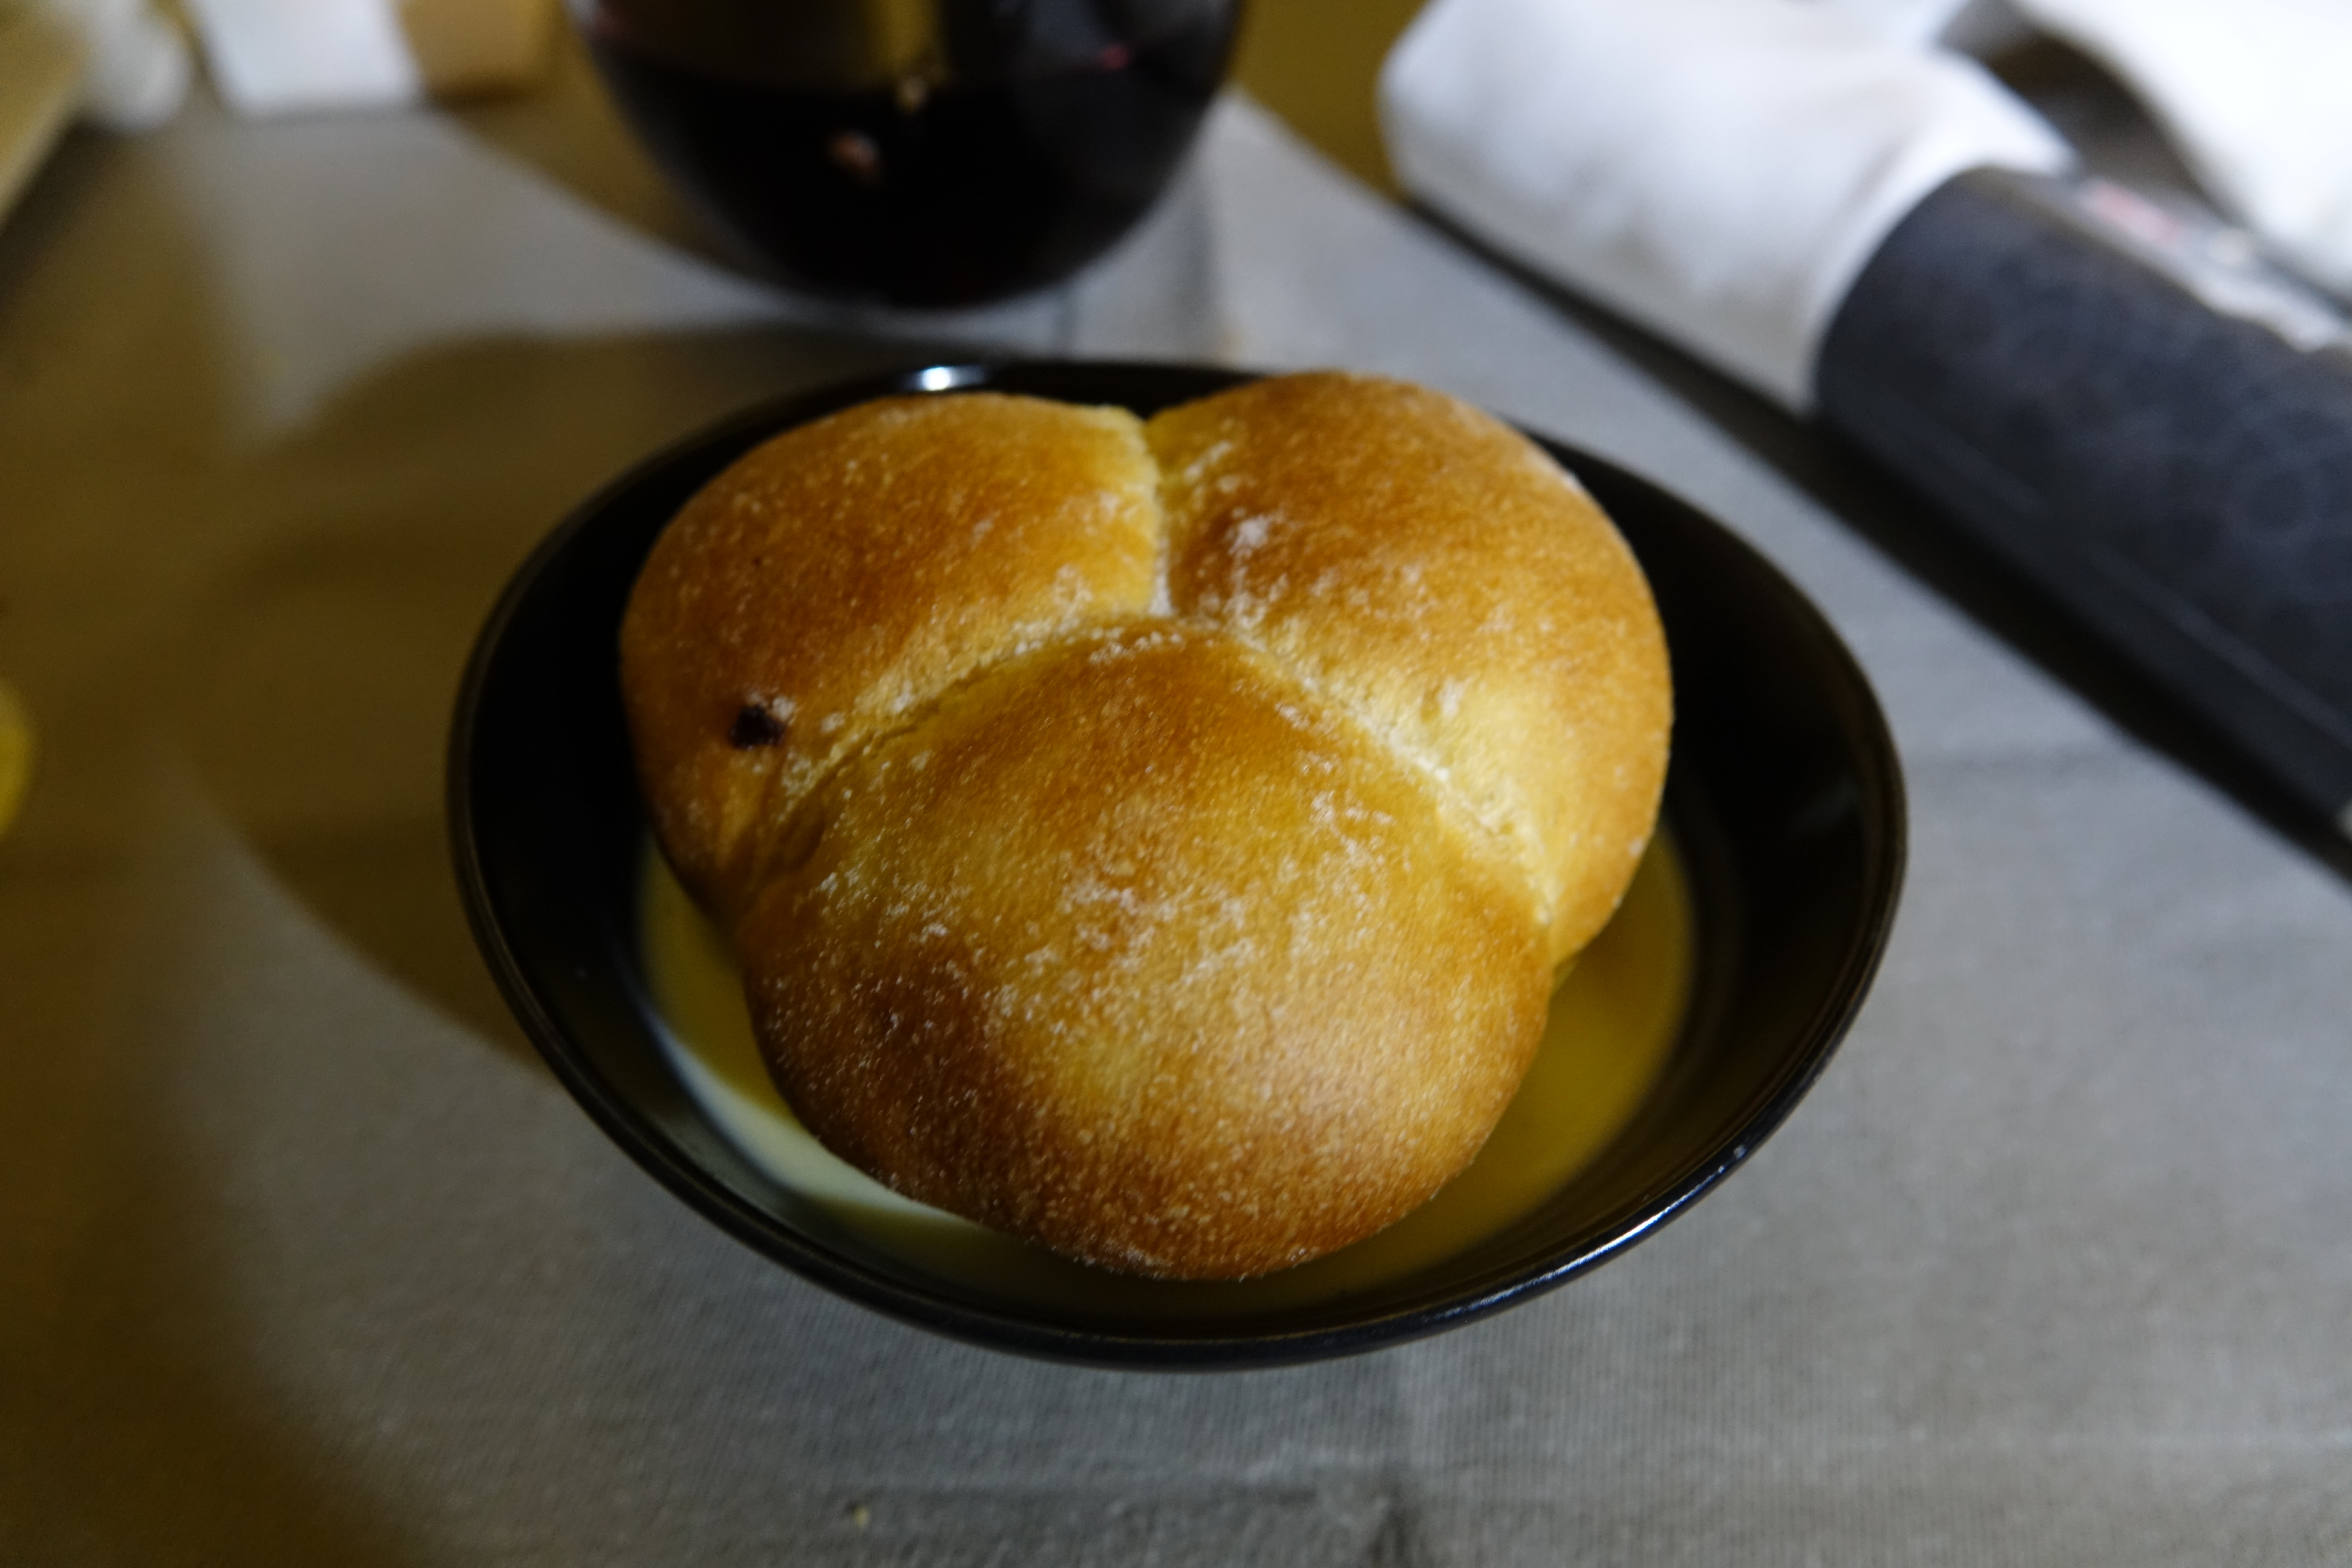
x=1783, y=796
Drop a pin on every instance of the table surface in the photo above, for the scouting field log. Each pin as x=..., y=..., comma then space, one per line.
x=305, y=1259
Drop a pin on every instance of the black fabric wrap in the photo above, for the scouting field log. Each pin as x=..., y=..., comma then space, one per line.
x=2179, y=479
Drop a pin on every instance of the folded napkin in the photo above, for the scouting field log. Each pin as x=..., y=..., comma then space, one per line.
x=2256, y=95
x=2251, y=93
x=1717, y=170
x=1980, y=27
x=1869, y=230
x=291, y=57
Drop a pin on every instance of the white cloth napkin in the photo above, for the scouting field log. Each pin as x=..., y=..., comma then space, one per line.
x=1716, y=170
x=293, y=56
x=1980, y=27
x=286, y=57
x=2257, y=97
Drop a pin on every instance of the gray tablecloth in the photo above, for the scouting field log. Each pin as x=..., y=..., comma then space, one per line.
x=305, y=1259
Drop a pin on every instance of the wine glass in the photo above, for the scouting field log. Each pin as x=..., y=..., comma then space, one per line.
x=920, y=152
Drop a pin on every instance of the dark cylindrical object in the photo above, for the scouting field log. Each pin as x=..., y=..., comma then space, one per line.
x=2117, y=410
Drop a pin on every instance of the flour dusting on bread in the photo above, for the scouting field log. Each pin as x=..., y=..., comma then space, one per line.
x=1154, y=838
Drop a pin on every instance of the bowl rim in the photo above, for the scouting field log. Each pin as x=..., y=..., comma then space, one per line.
x=1407, y=1318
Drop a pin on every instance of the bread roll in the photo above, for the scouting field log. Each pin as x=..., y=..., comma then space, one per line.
x=1156, y=840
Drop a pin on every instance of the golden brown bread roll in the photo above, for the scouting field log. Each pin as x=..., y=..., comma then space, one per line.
x=1156, y=840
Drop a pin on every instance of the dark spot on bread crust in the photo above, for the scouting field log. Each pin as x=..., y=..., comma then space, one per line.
x=754, y=727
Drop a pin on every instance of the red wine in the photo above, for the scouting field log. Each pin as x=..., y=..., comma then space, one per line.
x=986, y=183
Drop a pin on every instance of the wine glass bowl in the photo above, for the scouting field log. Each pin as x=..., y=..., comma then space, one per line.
x=916, y=152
